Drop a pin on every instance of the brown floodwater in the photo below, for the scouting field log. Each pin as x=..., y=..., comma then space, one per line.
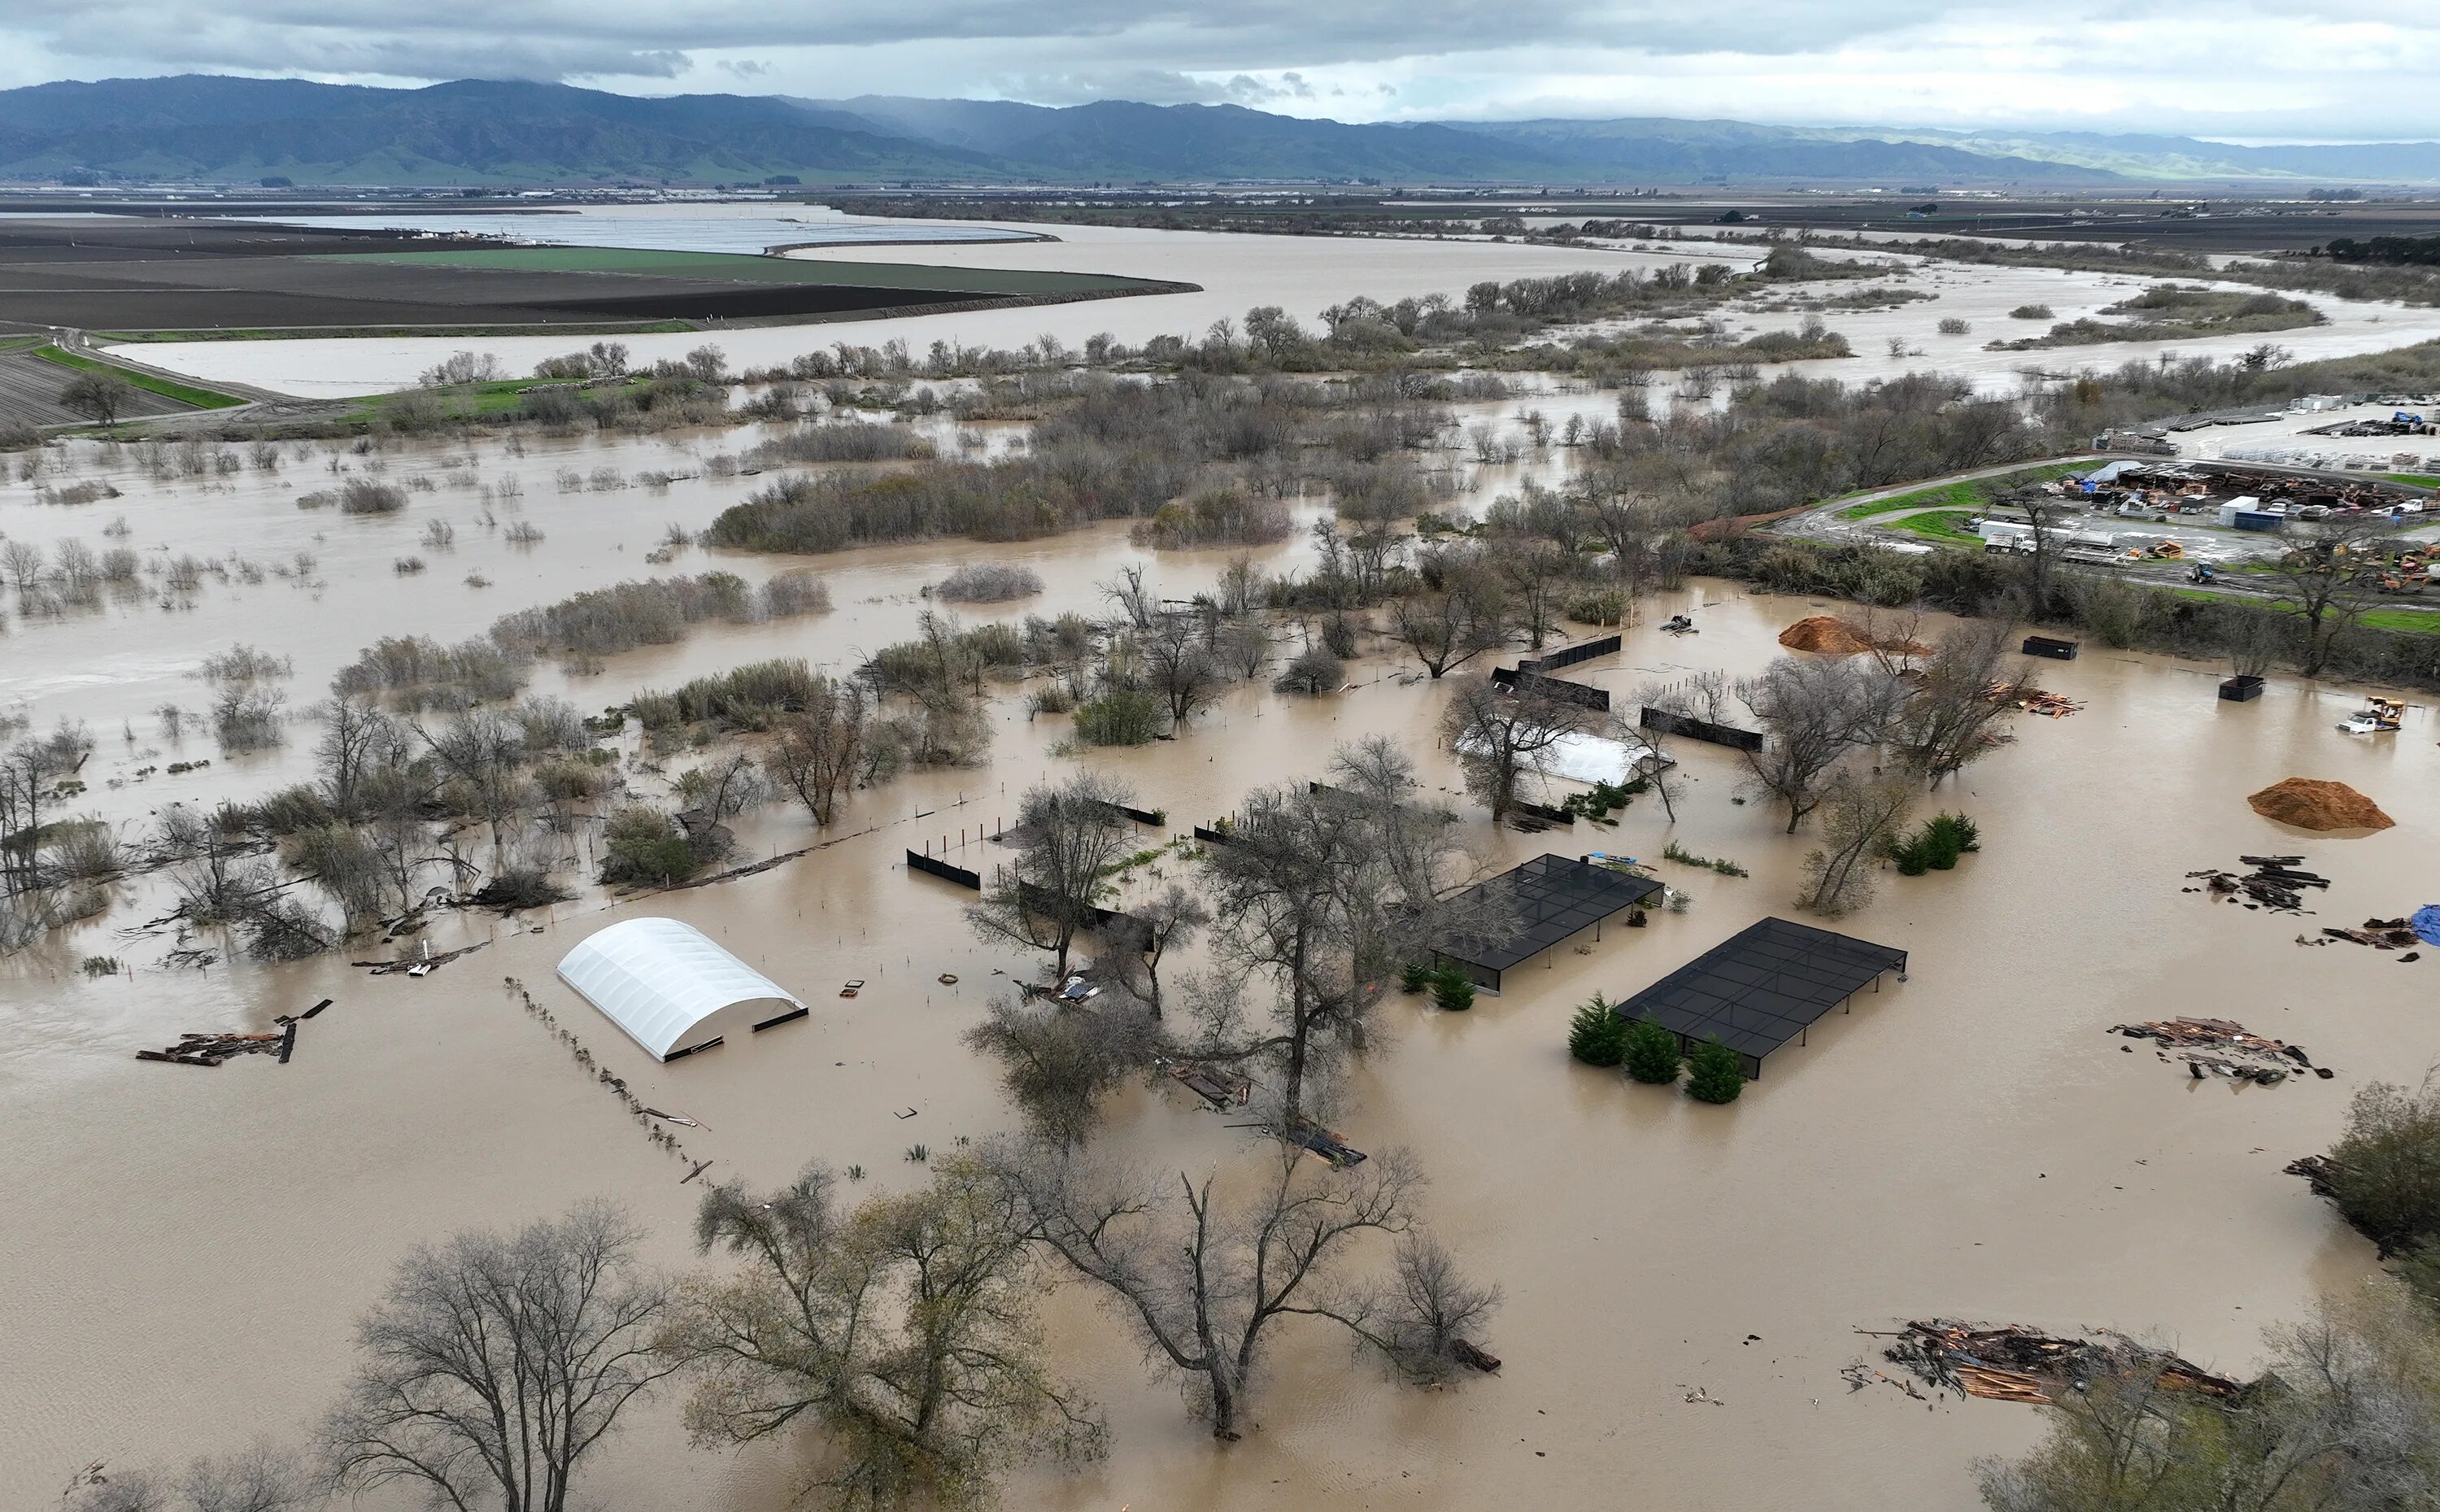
x=186, y=1248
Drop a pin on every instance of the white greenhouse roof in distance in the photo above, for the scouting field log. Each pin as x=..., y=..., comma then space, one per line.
x=669, y=986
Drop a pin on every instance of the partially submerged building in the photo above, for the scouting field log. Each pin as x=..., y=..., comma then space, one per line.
x=671, y=988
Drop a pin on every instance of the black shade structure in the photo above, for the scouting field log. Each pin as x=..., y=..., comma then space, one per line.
x=1549, y=898
x=1763, y=987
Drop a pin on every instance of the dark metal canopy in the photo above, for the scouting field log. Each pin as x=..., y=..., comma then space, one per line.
x=1763, y=987
x=1546, y=900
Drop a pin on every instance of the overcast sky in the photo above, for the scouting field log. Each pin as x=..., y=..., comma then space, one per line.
x=2294, y=71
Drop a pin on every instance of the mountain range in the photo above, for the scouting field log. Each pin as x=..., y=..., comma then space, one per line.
x=218, y=129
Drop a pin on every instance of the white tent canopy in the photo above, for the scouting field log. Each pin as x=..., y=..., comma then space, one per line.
x=669, y=986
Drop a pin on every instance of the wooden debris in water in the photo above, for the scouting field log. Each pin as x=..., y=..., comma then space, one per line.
x=2019, y=1364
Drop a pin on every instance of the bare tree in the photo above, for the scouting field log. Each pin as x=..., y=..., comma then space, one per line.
x=1068, y=836
x=1203, y=1279
x=1860, y=818
x=1533, y=572
x=482, y=754
x=1451, y=624
x=816, y=752
x=1244, y=646
x=101, y=397
x=23, y=562
x=260, y=1478
x=496, y=1363
x=2329, y=572
x=1134, y=597
x=1500, y=736
x=902, y=1331
x=1813, y=713
x=1955, y=714
x=355, y=736
x=725, y=788
x=1320, y=895
x=1177, y=665
x=1155, y=926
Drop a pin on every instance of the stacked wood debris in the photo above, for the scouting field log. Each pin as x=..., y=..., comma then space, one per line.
x=2275, y=883
x=2215, y=1047
x=2019, y=1365
x=2034, y=700
x=2381, y=934
x=213, y=1049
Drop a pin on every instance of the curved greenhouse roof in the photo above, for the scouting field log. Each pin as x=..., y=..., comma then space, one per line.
x=670, y=987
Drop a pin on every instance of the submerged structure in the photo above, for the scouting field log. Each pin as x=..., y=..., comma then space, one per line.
x=1763, y=986
x=671, y=988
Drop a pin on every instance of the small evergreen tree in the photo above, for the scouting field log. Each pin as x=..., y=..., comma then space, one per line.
x=1652, y=1053
x=1715, y=1074
x=1453, y=990
x=1598, y=1036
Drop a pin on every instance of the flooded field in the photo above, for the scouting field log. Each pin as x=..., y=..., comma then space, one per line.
x=189, y=1248
x=1304, y=274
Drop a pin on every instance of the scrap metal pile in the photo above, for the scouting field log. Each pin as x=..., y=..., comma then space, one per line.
x=2215, y=1047
x=2019, y=1365
x=2275, y=883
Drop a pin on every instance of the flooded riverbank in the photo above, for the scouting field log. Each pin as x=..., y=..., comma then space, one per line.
x=192, y=1245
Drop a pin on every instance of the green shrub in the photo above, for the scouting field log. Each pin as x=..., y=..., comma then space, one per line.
x=1713, y=1073
x=1651, y=1052
x=1937, y=845
x=1597, y=1036
x=640, y=845
x=1453, y=990
x=1416, y=974
x=2384, y=1172
x=1124, y=716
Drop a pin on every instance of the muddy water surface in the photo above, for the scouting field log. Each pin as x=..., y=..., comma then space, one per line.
x=187, y=1248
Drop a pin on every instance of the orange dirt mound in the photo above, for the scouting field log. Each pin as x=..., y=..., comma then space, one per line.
x=1825, y=633
x=1833, y=637
x=2312, y=805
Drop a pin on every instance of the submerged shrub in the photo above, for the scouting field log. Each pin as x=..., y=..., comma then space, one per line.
x=987, y=582
x=1713, y=1073
x=1124, y=716
x=362, y=495
x=1597, y=1036
x=1454, y=992
x=1314, y=671
x=1651, y=1052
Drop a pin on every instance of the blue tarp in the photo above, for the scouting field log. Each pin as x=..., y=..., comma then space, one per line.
x=2427, y=923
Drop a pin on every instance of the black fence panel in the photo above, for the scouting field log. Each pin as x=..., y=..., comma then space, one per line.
x=916, y=861
x=1702, y=730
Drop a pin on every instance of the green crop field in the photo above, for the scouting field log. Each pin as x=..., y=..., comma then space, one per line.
x=166, y=388
x=746, y=268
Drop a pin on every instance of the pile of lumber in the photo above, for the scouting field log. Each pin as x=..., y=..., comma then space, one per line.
x=2034, y=700
x=214, y=1049
x=2019, y=1365
x=2215, y=1047
x=2275, y=883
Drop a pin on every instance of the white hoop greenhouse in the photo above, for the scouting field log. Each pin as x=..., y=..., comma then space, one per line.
x=671, y=988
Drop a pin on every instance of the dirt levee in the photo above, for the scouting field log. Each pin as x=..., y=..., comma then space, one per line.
x=2309, y=803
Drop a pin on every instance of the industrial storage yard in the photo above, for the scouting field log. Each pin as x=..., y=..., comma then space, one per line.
x=1755, y=890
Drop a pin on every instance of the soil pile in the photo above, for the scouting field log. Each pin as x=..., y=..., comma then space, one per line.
x=2309, y=803
x=1834, y=636
x=1824, y=634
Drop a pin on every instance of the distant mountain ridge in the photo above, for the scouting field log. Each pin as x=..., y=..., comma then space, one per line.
x=493, y=134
